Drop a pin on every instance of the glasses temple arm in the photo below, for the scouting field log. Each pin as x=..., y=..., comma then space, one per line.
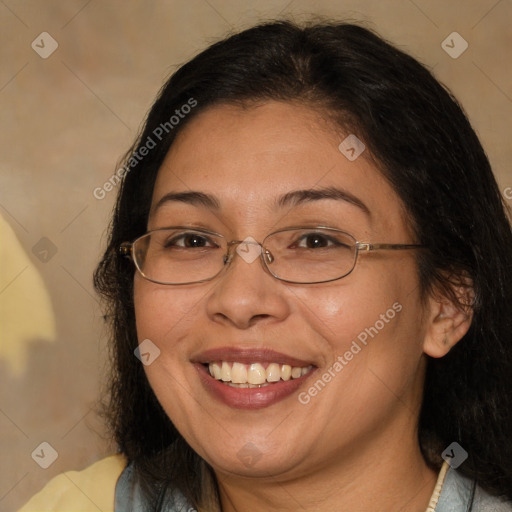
x=392, y=247
x=125, y=249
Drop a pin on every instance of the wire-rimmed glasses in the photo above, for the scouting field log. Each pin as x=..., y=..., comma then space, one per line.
x=180, y=255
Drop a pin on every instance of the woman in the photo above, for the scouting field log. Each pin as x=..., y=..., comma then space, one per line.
x=309, y=278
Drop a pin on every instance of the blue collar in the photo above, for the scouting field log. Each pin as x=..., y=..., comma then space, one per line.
x=458, y=494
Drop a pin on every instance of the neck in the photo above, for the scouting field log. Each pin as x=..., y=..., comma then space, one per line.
x=391, y=476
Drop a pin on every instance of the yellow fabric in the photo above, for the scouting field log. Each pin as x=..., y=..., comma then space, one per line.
x=26, y=311
x=89, y=490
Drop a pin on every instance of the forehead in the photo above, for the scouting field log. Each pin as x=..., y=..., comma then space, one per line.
x=269, y=136
x=250, y=156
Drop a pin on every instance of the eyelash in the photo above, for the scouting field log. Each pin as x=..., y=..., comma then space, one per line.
x=332, y=241
x=172, y=242
x=182, y=236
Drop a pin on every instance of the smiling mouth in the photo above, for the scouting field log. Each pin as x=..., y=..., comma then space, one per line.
x=255, y=375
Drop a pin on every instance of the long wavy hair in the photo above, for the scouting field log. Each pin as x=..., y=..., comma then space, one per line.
x=422, y=142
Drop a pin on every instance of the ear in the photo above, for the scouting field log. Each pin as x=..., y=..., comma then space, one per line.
x=449, y=318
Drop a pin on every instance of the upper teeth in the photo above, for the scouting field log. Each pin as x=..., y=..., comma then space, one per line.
x=255, y=373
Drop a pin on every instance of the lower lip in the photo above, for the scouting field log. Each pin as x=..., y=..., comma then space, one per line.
x=249, y=398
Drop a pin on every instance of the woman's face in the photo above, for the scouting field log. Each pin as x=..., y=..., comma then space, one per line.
x=358, y=340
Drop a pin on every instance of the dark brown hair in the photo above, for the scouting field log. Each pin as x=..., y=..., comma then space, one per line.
x=424, y=145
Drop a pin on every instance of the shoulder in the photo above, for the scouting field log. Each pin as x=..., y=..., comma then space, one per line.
x=461, y=493
x=80, y=491
x=484, y=502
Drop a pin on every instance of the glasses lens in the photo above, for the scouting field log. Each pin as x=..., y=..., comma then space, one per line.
x=177, y=255
x=310, y=255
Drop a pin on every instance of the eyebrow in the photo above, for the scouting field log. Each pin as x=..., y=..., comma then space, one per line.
x=290, y=199
x=193, y=198
x=297, y=197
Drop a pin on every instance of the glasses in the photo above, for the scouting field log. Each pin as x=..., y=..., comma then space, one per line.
x=302, y=255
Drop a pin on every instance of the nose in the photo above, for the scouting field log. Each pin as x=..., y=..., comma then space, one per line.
x=245, y=293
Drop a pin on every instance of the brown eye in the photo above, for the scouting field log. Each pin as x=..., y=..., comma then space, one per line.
x=315, y=241
x=189, y=241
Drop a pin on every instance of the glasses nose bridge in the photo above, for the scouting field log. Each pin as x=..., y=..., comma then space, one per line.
x=264, y=254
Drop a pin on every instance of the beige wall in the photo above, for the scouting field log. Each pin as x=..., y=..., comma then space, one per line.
x=66, y=120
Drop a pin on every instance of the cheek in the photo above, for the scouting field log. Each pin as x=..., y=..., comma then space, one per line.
x=341, y=314
x=166, y=316
x=163, y=314
x=374, y=344
x=375, y=321
x=372, y=356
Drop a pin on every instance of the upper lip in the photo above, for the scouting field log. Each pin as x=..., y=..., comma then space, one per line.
x=248, y=356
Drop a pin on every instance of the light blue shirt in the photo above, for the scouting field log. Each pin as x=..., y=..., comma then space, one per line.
x=458, y=494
